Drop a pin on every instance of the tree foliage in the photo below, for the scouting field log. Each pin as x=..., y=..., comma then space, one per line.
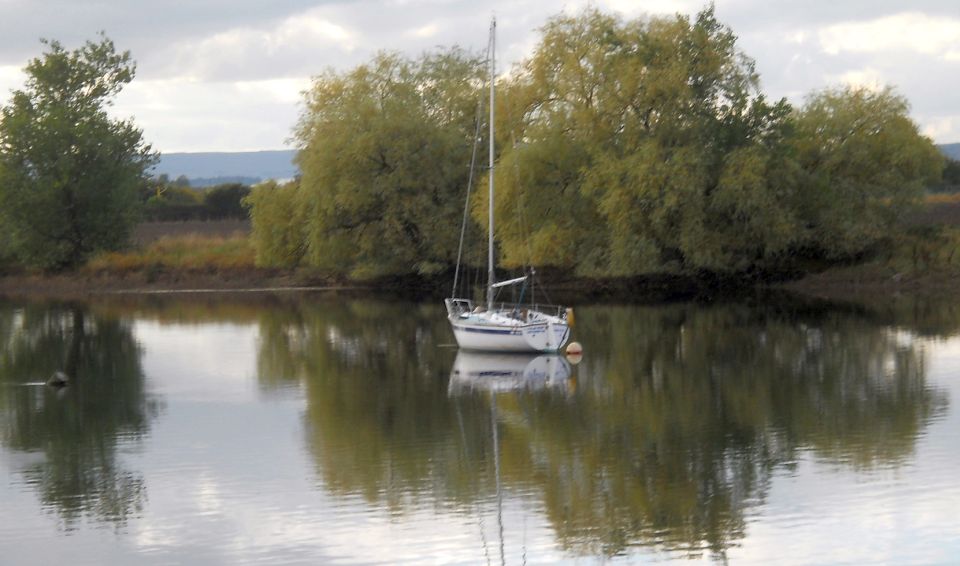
x=278, y=220
x=385, y=157
x=166, y=200
x=662, y=142
x=863, y=163
x=69, y=173
x=624, y=147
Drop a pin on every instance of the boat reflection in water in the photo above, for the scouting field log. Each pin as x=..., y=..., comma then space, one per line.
x=484, y=371
x=503, y=374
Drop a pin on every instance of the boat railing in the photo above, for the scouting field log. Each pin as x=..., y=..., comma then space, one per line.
x=521, y=309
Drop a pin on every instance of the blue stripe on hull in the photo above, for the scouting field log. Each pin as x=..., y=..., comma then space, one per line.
x=487, y=330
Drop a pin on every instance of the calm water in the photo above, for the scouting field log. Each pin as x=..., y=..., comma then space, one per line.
x=312, y=429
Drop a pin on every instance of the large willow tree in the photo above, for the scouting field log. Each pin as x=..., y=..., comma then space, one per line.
x=645, y=146
x=863, y=162
x=385, y=160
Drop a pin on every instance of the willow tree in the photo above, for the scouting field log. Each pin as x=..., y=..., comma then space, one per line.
x=646, y=145
x=385, y=154
x=278, y=218
x=69, y=173
x=864, y=162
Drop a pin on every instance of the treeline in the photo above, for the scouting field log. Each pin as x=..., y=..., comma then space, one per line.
x=624, y=147
x=950, y=182
x=177, y=200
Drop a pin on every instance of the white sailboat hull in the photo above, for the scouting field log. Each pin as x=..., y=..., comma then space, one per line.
x=488, y=335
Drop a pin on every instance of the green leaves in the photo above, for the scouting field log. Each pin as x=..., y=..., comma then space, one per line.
x=863, y=162
x=385, y=160
x=624, y=147
x=68, y=172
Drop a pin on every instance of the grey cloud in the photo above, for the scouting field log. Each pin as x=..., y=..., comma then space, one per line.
x=139, y=26
x=759, y=14
x=171, y=39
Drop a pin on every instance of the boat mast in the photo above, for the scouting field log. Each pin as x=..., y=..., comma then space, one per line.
x=490, y=274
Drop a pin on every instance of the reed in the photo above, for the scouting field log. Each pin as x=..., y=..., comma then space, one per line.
x=188, y=253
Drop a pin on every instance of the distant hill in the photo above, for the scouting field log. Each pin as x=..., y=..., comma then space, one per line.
x=211, y=168
x=951, y=150
x=249, y=167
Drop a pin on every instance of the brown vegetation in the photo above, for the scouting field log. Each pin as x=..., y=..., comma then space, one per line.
x=149, y=232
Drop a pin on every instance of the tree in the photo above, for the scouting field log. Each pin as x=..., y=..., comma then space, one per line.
x=278, y=219
x=225, y=201
x=645, y=146
x=385, y=154
x=951, y=178
x=864, y=161
x=70, y=174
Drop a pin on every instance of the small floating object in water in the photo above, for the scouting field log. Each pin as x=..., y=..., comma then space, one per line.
x=574, y=348
x=58, y=379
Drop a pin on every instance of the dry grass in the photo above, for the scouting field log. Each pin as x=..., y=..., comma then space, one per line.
x=147, y=233
x=190, y=253
x=941, y=198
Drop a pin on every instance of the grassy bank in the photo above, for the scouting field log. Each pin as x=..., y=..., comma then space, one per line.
x=174, y=262
x=925, y=258
x=190, y=253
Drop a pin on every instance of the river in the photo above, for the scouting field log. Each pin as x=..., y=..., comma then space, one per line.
x=316, y=429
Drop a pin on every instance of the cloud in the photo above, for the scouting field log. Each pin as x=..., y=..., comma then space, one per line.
x=288, y=48
x=141, y=26
x=941, y=127
x=227, y=74
x=910, y=31
x=11, y=78
x=429, y=30
x=181, y=115
x=867, y=78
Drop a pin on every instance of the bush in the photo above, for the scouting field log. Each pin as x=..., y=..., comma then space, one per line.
x=278, y=219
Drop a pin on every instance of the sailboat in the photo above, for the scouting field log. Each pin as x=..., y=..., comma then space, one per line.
x=504, y=327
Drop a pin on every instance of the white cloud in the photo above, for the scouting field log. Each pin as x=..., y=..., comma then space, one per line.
x=189, y=115
x=423, y=32
x=867, y=78
x=798, y=37
x=292, y=46
x=11, y=77
x=944, y=127
x=633, y=8
x=909, y=31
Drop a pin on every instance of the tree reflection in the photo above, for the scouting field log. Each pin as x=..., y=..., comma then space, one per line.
x=677, y=420
x=77, y=429
x=376, y=390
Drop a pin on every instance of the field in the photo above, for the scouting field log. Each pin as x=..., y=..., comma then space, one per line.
x=149, y=232
x=938, y=210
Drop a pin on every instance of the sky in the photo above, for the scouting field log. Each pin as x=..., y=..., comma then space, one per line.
x=228, y=75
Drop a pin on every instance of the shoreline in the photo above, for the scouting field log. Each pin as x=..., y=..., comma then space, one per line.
x=844, y=283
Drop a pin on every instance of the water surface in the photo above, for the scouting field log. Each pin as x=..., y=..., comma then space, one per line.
x=310, y=429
